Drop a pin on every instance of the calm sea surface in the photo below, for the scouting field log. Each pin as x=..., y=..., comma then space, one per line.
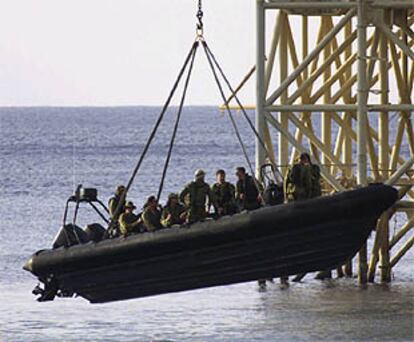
x=46, y=152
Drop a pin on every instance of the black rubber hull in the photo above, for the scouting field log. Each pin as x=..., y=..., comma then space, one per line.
x=269, y=242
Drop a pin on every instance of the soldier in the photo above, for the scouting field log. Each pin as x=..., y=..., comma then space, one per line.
x=114, y=201
x=247, y=193
x=128, y=221
x=316, y=180
x=299, y=180
x=173, y=212
x=195, y=195
x=303, y=180
x=151, y=215
x=224, y=194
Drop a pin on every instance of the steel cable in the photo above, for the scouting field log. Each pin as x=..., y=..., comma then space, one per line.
x=167, y=160
x=256, y=133
x=236, y=130
x=153, y=132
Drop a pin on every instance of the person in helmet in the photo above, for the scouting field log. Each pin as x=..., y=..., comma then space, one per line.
x=173, y=212
x=115, y=200
x=195, y=197
x=224, y=193
x=128, y=221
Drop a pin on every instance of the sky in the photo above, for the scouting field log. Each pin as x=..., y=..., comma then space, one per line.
x=125, y=52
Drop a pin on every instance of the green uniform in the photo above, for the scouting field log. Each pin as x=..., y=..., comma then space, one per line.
x=128, y=223
x=248, y=188
x=194, y=196
x=224, y=194
x=301, y=183
x=316, y=181
x=113, y=204
x=174, y=213
x=151, y=218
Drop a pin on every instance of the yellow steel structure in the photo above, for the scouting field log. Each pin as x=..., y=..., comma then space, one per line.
x=336, y=94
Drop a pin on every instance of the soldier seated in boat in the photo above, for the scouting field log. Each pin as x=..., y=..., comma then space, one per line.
x=195, y=196
x=173, y=212
x=303, y=180
x=115, y=200
x=224, y=193
x=247, y=192
x=151, y=215
x=128, y=221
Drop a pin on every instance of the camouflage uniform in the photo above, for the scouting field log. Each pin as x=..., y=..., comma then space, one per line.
x=194, y=196
x=299, y=183
x=151, y=218
x=129, y=223
x=224, y=194
x=113, y=204
x=175, y=213
x=316, y=181
x=303, y=182
x=248, y=188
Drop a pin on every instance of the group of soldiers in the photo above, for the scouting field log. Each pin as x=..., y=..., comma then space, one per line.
x=192, y=204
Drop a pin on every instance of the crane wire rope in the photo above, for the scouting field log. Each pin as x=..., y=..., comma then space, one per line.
x=256, y=133
x=189, y=62
x=233, y=122
x=150, y=139
x=170, y=148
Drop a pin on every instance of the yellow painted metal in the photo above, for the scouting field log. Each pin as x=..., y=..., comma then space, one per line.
x=347, y=120
x=283, y=144
x=307, y=70
x=402, y=231
x=402, y=251
x=326, y=128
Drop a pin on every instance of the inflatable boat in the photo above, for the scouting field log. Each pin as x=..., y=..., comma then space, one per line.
x=274, y=241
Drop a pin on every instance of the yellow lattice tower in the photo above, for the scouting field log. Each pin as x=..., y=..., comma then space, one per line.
x=329, y=93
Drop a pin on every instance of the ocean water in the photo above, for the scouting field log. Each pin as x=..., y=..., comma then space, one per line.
x=46, y=152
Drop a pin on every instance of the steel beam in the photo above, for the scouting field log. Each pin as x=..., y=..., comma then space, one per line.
x=394, y=38
x=329, y=178
x=403, y=169
x=260, y=83
x=305, y=63
x=339, y=108
x=362, y=97
x=309, y=5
